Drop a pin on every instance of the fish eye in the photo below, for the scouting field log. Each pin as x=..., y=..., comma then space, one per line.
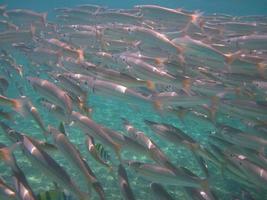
x=85, y=82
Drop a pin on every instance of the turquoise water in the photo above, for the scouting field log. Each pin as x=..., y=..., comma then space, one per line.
x=234, y=7
x=109, y=112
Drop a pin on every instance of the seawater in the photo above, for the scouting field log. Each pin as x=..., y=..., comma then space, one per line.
x=109, y=111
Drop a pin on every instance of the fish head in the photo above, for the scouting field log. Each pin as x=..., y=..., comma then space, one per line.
x=135, y=165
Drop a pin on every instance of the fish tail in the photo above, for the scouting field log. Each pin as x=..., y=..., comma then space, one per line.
x=18, y=106
x=80, y=53
x=150, y=85
x=213, y=108
x=59, y=60
x=5, y=152
x=158, y=105
x=197, y=20
x=33, y=30
x=231, y=57
x=186, y=84
x=160, y=61
x=98, y=188
x=44, y=16
x=181, y=113
x=20, y=70
x=5, y=14
x=13, y=27
x=261, y=67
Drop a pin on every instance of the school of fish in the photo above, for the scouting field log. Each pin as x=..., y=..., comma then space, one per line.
x=173, y=63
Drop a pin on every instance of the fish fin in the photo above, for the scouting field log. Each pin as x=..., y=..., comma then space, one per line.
x=18, y=106
x=150, y=85
x=6, y=115
x=201, y=163
x=80, y=53
x=5, y=14
x=5, y=152
x=44, y=16
x=59, y=56
x=181, y=112
x=136, y=43
x=47, y=146
x=197, y=20
x=99, y=189
x=61, y=128
x=180, y=50
x=160, y=61
x=125, y=121
x=231, y=57
x=20, y=71
x=158, y=105
x=213, y=108
x=205, y=184
x=261, y=67
x=33, y=30
x=186, y=85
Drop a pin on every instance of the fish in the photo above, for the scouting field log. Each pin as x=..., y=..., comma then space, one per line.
x=188, y=79
x=98, y=152
x=29, y=109
x=15, y=136
x=6, y=115
x=6, y=192
x=13, y=103
x=11, y=36
x=19, y=179
x=159, y=192
x=124, y=184
x=255, y=173
x=108, y=88
x=159, y=174
x=95, y=130
x=50, y=167
x=72, y=154
x=54, y=194
x=3, y=85
x=52, y=92
x=65, y=48
x=22, y=193
x=26, y=15
x=241, y=139
x=178, y=137
x=156, y=12
x=153, y=151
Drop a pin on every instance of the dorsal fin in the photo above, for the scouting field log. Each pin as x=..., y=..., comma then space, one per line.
x=61, y=128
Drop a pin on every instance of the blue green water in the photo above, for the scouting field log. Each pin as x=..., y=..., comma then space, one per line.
x=233, y=7
x=109, y=112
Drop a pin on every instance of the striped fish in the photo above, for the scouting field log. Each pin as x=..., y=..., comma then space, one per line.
x=54, y=195
x=102, y=152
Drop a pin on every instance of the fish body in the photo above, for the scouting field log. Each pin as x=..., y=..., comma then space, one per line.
x=50, y=167
x=52, y=92
x=124, y=184
x=159, y=193
x=71, y=153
